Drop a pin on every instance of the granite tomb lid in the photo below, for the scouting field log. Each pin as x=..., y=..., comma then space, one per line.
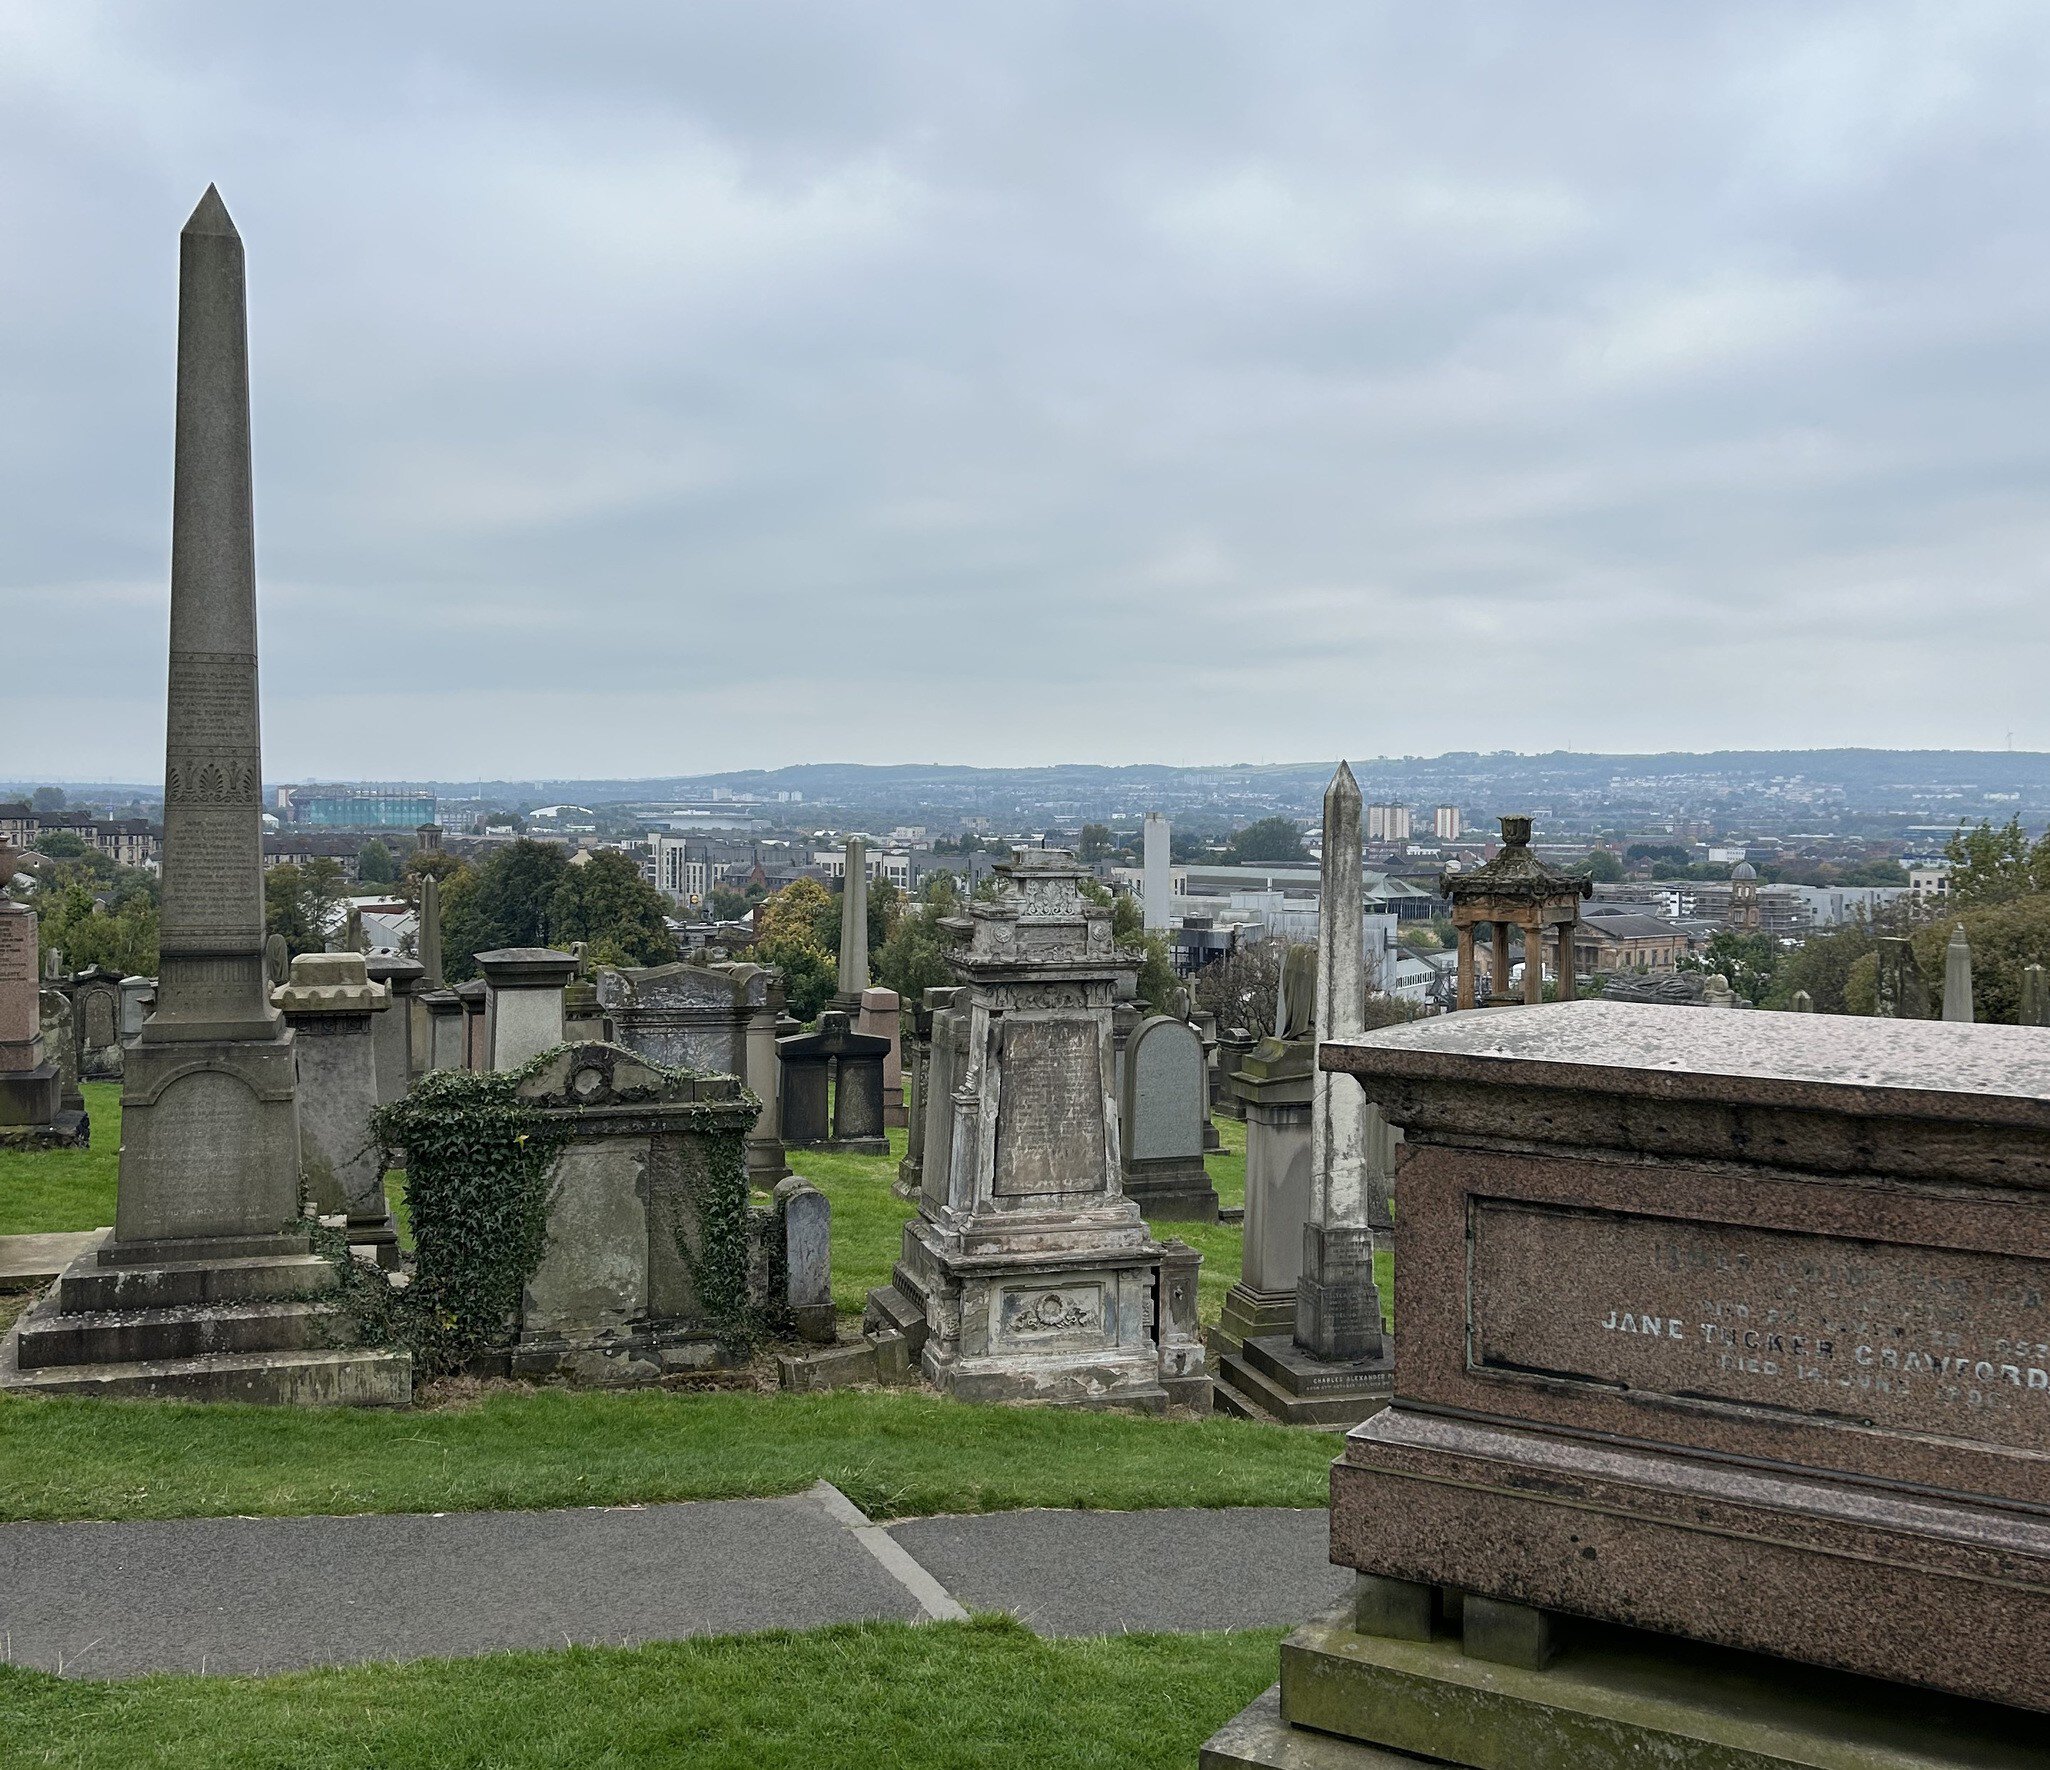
x=1831, y=1063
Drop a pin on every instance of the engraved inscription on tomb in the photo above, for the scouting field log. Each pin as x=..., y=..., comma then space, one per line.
x=211, y=728
x=1050, y=1132
x=213, y=874
x=1928, y=1339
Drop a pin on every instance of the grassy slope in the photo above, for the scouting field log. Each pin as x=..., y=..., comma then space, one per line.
x=897, y=1453
x=51, y=1189
x=867, y=1697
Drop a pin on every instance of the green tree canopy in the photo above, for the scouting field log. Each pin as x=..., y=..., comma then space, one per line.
x=505, y=901
x=300, y=901
x=1749, y=961
x=1603, y=867
x=47, y=799
x=914, y=957
x=1096, y=843
x=1273, y=840
x=375, y=865
x=1989, y=865
x=95, y=913
x=618, y=915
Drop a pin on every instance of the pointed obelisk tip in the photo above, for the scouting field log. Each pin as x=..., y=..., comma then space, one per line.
x=211, y=217
x=1342, y=783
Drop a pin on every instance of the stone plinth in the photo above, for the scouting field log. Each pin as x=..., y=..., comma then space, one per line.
x=31, y=1093
x=393, y=1034
x=523, y=988
x=713, y=1019
x=1274, y=1087
x=881, y=1010
x=833, y=1088
x=445, y=1029
x=1027, y=1274
x=333, y=1009
x=1727, y=1327
x=804, y=1243
x=620, y=1296
x=1163, y=1093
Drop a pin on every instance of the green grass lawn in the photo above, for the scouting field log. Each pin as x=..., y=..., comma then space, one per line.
x=897, y=1453
x=52, y=1189
x=867, y=1697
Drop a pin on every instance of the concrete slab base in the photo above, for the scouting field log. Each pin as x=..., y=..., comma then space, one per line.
x=1613, y=1699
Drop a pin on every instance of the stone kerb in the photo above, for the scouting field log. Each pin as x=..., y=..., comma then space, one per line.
x=1162, y=1095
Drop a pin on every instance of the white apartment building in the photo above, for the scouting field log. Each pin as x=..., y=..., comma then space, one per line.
x=1388, y=823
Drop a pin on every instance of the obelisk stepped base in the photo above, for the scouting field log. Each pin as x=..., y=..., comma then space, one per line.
x=249, y=1318
x=1271, y=1377
x=1608, y=1699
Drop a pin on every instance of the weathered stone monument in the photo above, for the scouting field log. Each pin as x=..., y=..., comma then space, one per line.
x=853, y=928
x=917, y=1022
x=1804, y=1003
x=138, y=997
x=1902, y=991
x=1274, y=1084
x=60, y=1047
x=1722, y=1404
x=1161, y=1100
x=96, y=1023
x=1514, y=890
x=713, y=1019
x=881, y=1012
x=523, y=990
x=1027, y=1274
x=946, y=1068
x=31, y=1093
x=2035, y=1003
x=392, y=1034
x=650, y=1241
x=1957, y=977
x=208, y=1288
x=333, y=1008
x=1158, y=900
x=1337, y=1365
x=803, y=1241
x=428, y=940
x=833, y=1088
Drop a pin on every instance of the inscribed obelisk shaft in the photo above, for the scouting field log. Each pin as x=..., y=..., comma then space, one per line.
x=1338, y=1309
x=853, y=928
x=210, y=1132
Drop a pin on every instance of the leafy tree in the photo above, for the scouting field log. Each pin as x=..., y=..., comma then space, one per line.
x=914, y=958
x=788, y=935
x=798, y=912
x=375, y=865
x=430, y=863
x=1158, y=984
x=63, y=845
x=1994, y=866
x=730, y=905
x=885, y=904
x=1672, y=854
x=1097, y=842
x=1747, y=960
x=617, y=914
x=2005, y=939
x=1603, y=867
x=47, y=799
x=504, y=902
x=1273, y=840
x=300, y=901
x=98, y=914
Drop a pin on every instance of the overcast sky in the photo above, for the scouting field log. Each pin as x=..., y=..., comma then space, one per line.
x=650, y=389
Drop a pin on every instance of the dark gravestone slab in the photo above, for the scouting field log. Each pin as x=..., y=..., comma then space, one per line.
x=833, y=1088
x=1747, y=1338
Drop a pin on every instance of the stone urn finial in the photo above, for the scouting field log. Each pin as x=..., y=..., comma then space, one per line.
x=1516, y=832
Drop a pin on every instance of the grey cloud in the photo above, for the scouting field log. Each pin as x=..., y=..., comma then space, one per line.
x=668, y=388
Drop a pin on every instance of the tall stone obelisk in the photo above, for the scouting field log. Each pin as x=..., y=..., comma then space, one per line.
x=1338, y=1308
x=853, y=928
x=429, y=943
x=210, y=1136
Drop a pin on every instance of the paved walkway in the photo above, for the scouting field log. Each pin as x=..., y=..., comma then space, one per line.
x=267, y=1594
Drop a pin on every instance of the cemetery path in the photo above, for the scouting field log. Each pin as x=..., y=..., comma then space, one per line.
x=247, y=1595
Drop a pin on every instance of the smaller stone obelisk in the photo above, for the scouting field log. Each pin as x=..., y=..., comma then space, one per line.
x=429, y=941
x=1957, y=976
x=1338, y=1303
x=853, y=928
